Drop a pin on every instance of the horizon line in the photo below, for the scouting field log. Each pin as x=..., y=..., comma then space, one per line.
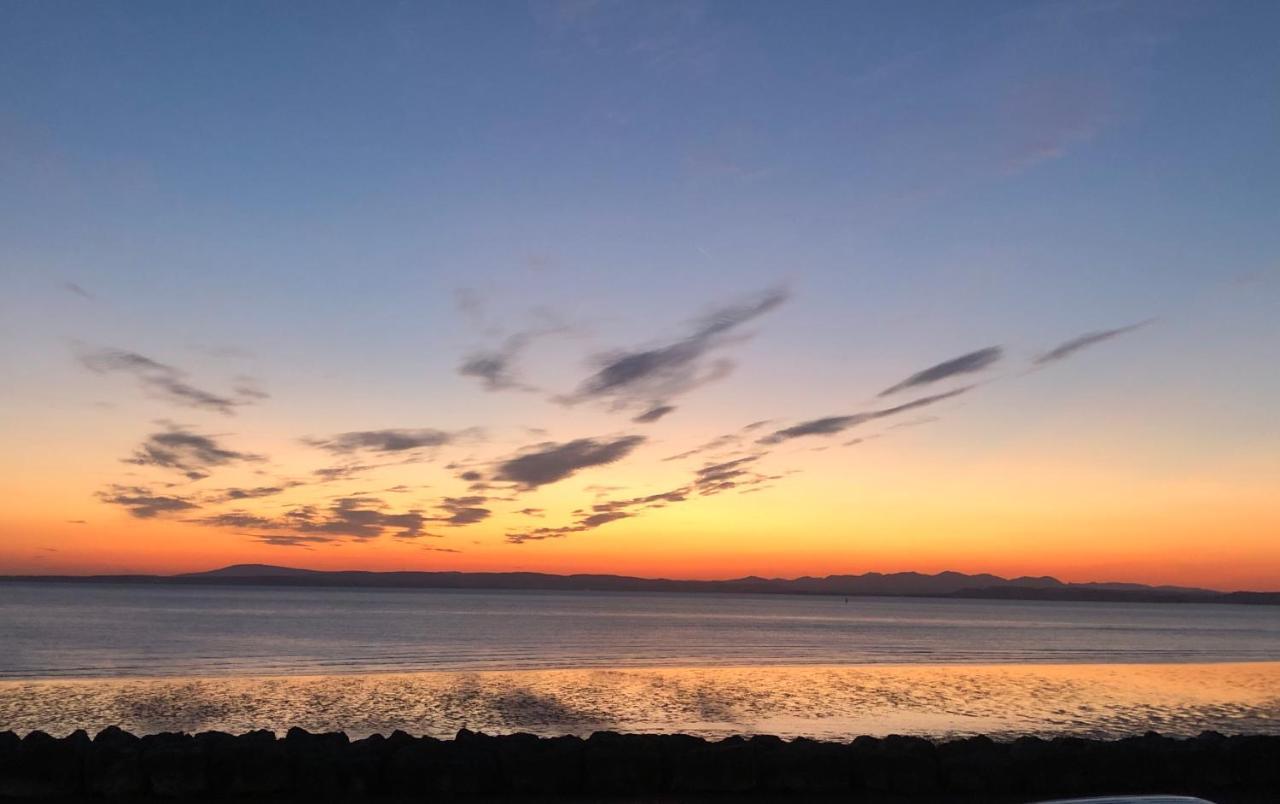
x=728, y=579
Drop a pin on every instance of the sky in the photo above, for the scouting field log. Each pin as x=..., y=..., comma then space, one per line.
x=695, y=290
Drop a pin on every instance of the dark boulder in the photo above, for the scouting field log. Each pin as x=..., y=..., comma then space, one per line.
x=364, y=763
x=316, y=765
x=468, y=764
x=10, y=745
x=1254, y=761
x=219, y=751
x=1208, y=763
x=551, y=766
x=113, y=764
x=41, y=766
x=727, y=766
x=975, y=765
x=623, y=763
x=173, y=764
x=411, y=764
x=261, y=766
x=1062, y=766
x=895, y=764
x=801, y=766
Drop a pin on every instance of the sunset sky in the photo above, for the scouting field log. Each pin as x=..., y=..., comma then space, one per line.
x=686, y=290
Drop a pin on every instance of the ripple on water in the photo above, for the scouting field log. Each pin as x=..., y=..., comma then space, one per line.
x=820, y=702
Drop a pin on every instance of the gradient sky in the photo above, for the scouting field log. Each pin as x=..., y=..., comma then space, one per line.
x=972, y=286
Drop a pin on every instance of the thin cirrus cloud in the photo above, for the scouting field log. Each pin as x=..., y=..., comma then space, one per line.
x=653, y=414
x=650, y=377
x=494, y=368
x=830, y=425
x=727, y=442
x=461, y=511
x=352, y=517
x=964, y=364
x=234, y=494
x=390, y=440
x=1068, y=348
x=169, y=383
x=497, y=368
x=550, y=462
x=143, y=503
x=711, y=479
x=75, y=289
x=276, y=540
x=191, y=453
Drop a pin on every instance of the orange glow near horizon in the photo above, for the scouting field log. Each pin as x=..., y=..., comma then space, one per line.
x=801, y=526
x=683, y=290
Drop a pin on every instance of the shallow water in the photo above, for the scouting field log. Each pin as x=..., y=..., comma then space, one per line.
x=815, y=701
x=114, y=631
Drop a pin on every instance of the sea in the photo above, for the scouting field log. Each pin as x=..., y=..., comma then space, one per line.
x=164, y=657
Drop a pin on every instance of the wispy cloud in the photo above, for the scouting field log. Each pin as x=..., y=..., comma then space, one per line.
x=353, y=517
x=709, y=480
x=391, y=440
x=143, y=503
x=727, y=443
x=831, y=425
x=279, y=540
x=650, y=377
x=549, y=462
x=653, y=414
x=341, y=471
x=1068, y=348
x=235, y=494
x=495, y=368
x=964, y=364
x=77, y=290
x=191, y=453
x=463, y=510
x=167, y=382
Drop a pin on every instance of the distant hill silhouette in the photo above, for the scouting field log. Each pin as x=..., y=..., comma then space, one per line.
x=897, y=584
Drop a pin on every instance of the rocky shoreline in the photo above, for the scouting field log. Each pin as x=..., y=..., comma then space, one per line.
x=219, y=766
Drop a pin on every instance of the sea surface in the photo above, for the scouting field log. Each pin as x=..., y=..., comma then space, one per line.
x=154, y=658
x=55, y=630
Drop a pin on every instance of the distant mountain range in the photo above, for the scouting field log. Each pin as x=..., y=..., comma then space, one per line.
x=897, y=584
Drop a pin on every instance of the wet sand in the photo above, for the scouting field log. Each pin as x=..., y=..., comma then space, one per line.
x=824, y=702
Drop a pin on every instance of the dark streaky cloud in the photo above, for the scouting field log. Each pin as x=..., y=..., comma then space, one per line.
x=711, y=479
x=353, y=517
x=650, y=376
x=72, y=287
x=231, y=494
x=653, y=414
x=964, y=364
x=1068, y=348
x=167, y=381
x=391, y=440
x=464, y=510
x=142, y=502
x=496, y=368
x=188, y=452
x=831, y=425
x=277, y=540
x=550, y=462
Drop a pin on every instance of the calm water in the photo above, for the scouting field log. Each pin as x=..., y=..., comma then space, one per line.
x=97, y=630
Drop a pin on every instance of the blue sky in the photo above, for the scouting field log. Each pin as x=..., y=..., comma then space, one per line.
x=342, y=200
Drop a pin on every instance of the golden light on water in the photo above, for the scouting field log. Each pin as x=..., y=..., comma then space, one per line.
x=826, y=702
